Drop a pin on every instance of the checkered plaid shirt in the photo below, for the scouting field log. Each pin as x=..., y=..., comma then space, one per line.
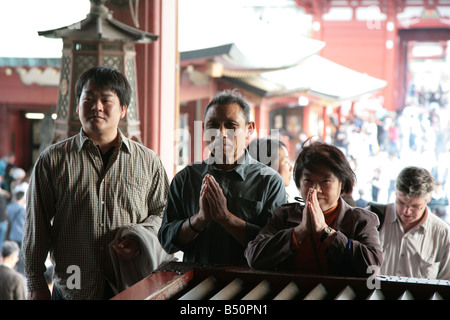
x=75, y=206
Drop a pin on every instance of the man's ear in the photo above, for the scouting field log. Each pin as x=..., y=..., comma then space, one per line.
x=123, y=112
x=250, y=128
x=428, y=199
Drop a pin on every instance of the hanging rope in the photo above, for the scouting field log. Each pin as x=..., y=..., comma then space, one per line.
x=134, y=12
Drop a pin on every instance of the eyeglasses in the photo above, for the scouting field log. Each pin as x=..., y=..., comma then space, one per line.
x=413, y=208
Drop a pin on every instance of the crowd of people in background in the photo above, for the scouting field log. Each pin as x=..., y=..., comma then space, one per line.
x=13, y=190
x=379, y=148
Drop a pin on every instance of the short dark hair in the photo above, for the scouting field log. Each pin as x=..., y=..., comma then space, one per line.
x=106, y=78
x=19, y=195
x=9, y=247
x=415, y=182
x=230, y=96
x=271, y=147
x=314, y=154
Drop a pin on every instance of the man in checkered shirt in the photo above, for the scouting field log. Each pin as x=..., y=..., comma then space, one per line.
x=84, y=189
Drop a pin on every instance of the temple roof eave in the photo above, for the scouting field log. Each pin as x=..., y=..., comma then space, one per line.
x=315, y=76
x=241, y=58
x=96, y=27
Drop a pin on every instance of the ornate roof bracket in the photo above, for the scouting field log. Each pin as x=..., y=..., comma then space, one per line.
x=100, y=25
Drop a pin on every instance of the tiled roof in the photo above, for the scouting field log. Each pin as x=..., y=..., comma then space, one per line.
x=29, y=62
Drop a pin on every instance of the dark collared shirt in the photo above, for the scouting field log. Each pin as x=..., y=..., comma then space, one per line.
x=252, y=190
x=76, y=204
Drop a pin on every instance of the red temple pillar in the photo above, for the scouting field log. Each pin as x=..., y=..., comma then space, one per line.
x=262, y=119
x=157, y=73
x=325, y=122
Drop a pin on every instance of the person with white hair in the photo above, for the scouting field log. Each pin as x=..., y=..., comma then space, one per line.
x=20, y=183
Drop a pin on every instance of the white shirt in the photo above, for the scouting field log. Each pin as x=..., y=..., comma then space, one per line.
x=422, y=252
